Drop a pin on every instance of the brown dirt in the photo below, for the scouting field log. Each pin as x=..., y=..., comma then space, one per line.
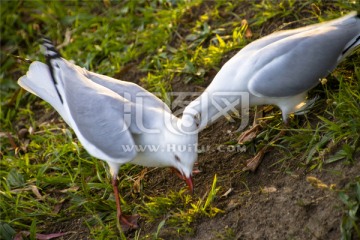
x=294, y=210
x=267, y=204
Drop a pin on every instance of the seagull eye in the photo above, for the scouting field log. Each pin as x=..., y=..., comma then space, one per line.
x=197, y=119
x=177, y=158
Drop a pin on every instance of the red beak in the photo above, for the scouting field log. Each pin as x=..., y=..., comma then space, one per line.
x=189, y=181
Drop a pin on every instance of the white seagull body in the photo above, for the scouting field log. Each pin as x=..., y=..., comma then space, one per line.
x=113, y=119
x=280, y=69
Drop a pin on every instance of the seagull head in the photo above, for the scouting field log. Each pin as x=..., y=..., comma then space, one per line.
x=183, y=149
x=185, y=156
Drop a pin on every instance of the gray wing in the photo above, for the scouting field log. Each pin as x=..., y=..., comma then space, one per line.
x=295, y=64
x=276, y=36
x=128, y=90
x=100, y=115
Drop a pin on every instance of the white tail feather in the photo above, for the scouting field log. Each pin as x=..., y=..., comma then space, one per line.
x=38, y=81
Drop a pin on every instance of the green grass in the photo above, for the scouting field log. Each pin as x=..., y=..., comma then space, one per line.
x=351, y=199
x=330, y=136
x=49, y=178
x=187, y=209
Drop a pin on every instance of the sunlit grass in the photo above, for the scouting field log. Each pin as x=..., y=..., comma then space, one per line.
x=178, y=209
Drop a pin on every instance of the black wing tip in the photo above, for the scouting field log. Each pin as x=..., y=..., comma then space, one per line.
x=50, y=51
x=357, y=13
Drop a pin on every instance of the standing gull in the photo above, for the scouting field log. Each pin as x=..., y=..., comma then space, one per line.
x=113, y=119
x=278, y=69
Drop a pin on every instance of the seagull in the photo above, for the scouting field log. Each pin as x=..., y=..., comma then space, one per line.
x=116, y=121
x=278, y=69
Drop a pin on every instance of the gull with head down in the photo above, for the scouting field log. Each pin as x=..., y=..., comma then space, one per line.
x=278, y=69
x=113, y=119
